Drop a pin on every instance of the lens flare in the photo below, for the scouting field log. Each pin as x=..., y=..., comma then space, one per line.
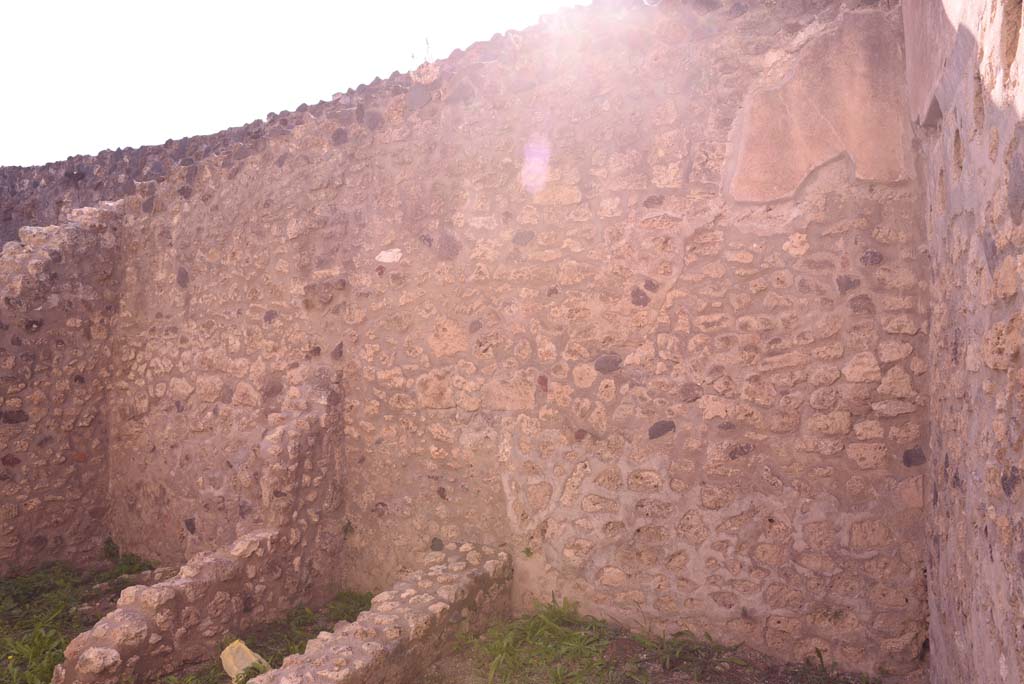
x=536, y=155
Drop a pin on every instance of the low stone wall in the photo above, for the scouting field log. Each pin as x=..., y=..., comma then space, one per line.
x=461, y=588
x=157, y=629
x=58, y=294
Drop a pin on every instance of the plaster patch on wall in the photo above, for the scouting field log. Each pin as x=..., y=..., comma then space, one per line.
x=845, y=95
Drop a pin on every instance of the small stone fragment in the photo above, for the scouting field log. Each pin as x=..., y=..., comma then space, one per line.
x=389, y=256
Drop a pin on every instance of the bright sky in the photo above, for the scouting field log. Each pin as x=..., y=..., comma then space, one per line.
x=81, y=76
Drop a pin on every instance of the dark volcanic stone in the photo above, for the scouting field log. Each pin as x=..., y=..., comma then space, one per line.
x=182, y=277
x=691, y=392
x=13, y=416
x=523, y=237
x=913, y=457
x=190, y=525
x=662, y=427
x=1009, y=480
x=436, y=544
x=373, y=120
x=639, y=297
x=847, y=283
x=871, y=257
x=606, y=363
x=418, y=96
x=1015, y=182
x=272, y=388
x=744, y=449
x=862, y=304
x=448, y=247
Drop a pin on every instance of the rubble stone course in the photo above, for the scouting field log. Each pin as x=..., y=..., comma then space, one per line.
x=458, y=590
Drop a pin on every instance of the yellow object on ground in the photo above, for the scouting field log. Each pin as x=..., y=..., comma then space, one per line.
x=237, y=656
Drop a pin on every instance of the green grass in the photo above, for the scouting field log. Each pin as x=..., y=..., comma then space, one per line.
x=39, y=616
x=555, y=644
x=250, y=672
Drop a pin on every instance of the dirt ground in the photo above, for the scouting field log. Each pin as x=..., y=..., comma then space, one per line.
x=462, y=667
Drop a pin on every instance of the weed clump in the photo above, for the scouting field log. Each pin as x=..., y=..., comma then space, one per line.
x=684, y=651
x=555, y=644
x=39, y=613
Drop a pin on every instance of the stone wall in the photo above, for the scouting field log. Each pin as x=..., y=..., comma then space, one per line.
x=58, y=295
x=637, y=294
x=560, y=328
x=457, y=590
x=964, y=62
x=211, y=359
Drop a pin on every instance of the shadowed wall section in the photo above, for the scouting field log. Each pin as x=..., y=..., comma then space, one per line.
x=965, y=70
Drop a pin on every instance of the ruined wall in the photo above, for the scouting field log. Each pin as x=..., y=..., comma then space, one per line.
x=182, y=620
x=285, y=554
x=41, y=195
x=964, y=64
x=57, y=298
x=636, y=294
